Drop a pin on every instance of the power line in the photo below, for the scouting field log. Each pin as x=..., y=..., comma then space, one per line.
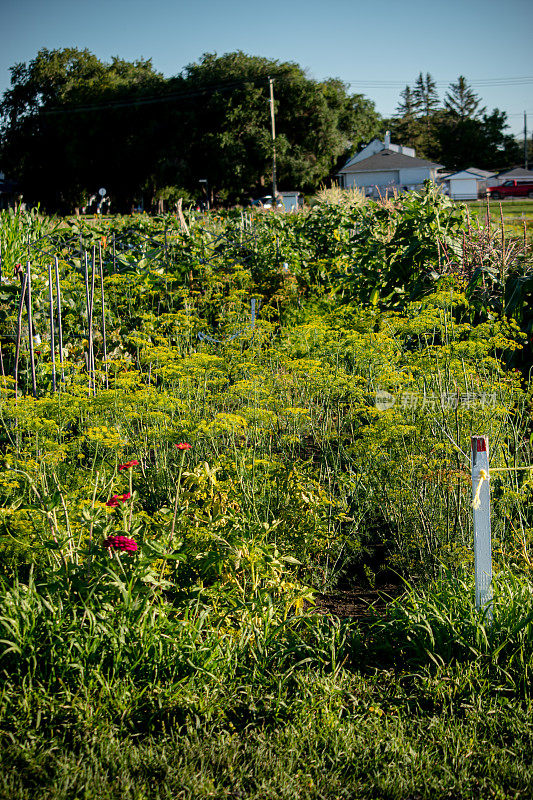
x=142, y=101
x=507, y=114
x=227, y=86
x=481, y=82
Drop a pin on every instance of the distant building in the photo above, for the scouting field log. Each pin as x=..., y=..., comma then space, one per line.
x=292, y=201
x=516, y=174
x=376, y=146
x=467, y=184
x=485, y=176
x=382, y=167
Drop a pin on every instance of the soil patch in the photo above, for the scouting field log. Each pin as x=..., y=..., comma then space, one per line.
x=361, y=603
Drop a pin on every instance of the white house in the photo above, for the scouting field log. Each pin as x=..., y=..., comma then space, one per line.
x=382, y=166
x=484, y=179
x=386, y=171
x=376, y=146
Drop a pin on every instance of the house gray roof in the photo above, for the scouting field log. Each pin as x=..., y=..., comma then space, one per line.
x=483, y=173
x=473, y=173
x=386, y=160
x=518, y=172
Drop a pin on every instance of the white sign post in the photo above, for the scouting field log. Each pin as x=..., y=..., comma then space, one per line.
x=482, y=537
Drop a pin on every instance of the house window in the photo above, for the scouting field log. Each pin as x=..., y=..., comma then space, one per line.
x=341, y=181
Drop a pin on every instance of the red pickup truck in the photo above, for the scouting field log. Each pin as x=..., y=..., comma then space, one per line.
x=511, y=189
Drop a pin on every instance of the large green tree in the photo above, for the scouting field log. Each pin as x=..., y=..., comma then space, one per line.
x=426, y=102
x=481, y=143
x=406, y=127
x=72, y=123
x=225, y=124
x=468, y=136
x=461, y=102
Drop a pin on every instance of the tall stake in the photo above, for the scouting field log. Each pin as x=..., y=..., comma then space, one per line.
x=103, y=316
x=86, y=269
x=59, y=321
x=273, y=125
x=52, y=337
x=482, y=536
x=30, y=333
x=23, y=282
x=1, y=354
x=91, y=307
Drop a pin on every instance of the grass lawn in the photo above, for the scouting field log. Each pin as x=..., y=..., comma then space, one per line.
x=385, y=734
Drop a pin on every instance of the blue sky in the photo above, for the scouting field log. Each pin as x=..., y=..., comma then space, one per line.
x=376, y=46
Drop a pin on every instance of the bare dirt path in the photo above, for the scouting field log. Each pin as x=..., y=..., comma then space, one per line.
x=359, y=603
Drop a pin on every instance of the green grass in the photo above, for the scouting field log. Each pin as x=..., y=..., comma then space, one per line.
x=512, y=208
x=344, y=737
x=427, y=702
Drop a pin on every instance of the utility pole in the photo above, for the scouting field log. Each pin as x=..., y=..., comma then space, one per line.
x=525, y=140
x=273, y=121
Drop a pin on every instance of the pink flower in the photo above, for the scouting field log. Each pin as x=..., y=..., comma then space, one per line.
x=128, y=465
x=123, y=543
x=118, y=498
x=183, y=446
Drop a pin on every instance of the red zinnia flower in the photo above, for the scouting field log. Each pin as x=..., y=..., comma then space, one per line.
x=127, y=465
x=123, y=543
x=114, y=501
x=183, y=446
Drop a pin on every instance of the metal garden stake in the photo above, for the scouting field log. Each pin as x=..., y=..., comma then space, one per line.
x=52, y=337
x=482, y=536
x=59, y=321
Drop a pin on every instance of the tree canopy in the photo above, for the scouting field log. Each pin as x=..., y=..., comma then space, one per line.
x=65, y=132
x=459, y=133
x=71, y=123
x=462, y=102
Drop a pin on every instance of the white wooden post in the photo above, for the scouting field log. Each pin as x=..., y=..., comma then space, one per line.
x=482, y=537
